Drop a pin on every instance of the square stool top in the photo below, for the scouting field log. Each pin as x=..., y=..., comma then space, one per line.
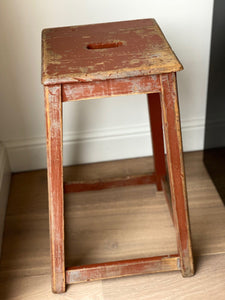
x=105, y=51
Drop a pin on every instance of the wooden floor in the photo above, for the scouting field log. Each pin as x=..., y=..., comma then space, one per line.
x=109, y=225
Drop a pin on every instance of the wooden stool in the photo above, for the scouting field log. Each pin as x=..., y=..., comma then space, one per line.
x=104, y=60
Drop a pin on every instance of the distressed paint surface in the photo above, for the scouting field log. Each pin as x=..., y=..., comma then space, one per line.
x=80, y=186
x=88, y=52
x=167, y=193
x=53, y=107
x=171, y=118
x=122, y=268
x=111, y=87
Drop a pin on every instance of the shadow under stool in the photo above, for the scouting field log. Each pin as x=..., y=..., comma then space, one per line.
x=104, y=60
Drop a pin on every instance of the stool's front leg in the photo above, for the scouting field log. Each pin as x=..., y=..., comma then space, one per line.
x=171, y=120
x=55, y=185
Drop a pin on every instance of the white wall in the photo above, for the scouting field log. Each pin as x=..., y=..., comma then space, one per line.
x=95, y=130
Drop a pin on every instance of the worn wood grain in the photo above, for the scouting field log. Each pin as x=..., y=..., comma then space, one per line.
x=53, y=107
x=167, y=194
x=111, y=88
x=105, y=51
x=123, y=268
x=96, y=185
x=207, y=284
x=171, y=120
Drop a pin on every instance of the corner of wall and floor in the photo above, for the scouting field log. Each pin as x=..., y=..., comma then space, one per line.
x=5, y=176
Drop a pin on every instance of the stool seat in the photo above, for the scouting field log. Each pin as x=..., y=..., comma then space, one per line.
x=106, y=51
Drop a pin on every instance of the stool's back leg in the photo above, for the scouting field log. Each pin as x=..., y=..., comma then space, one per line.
x=155, y=116
x=171, y=120
x=55, y=185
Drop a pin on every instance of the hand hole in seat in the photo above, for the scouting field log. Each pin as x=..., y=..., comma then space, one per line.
x=94, y=46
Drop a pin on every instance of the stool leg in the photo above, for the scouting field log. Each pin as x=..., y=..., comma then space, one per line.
x=155, y=117
x=55, y=185
x=171, y=120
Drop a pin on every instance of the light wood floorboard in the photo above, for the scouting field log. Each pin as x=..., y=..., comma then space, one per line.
x=109, y=225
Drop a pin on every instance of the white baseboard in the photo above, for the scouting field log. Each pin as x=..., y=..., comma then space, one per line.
x=5, y=176
x=98, y=145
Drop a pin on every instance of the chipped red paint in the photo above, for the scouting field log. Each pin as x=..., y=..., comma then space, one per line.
x=55, y=185
x=110, y=87
x=167, y=194
x=144, y=51
x=122, y=268
x=176, y=170
x=75, y=187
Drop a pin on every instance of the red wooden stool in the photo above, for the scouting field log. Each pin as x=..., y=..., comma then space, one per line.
x=104, y=60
